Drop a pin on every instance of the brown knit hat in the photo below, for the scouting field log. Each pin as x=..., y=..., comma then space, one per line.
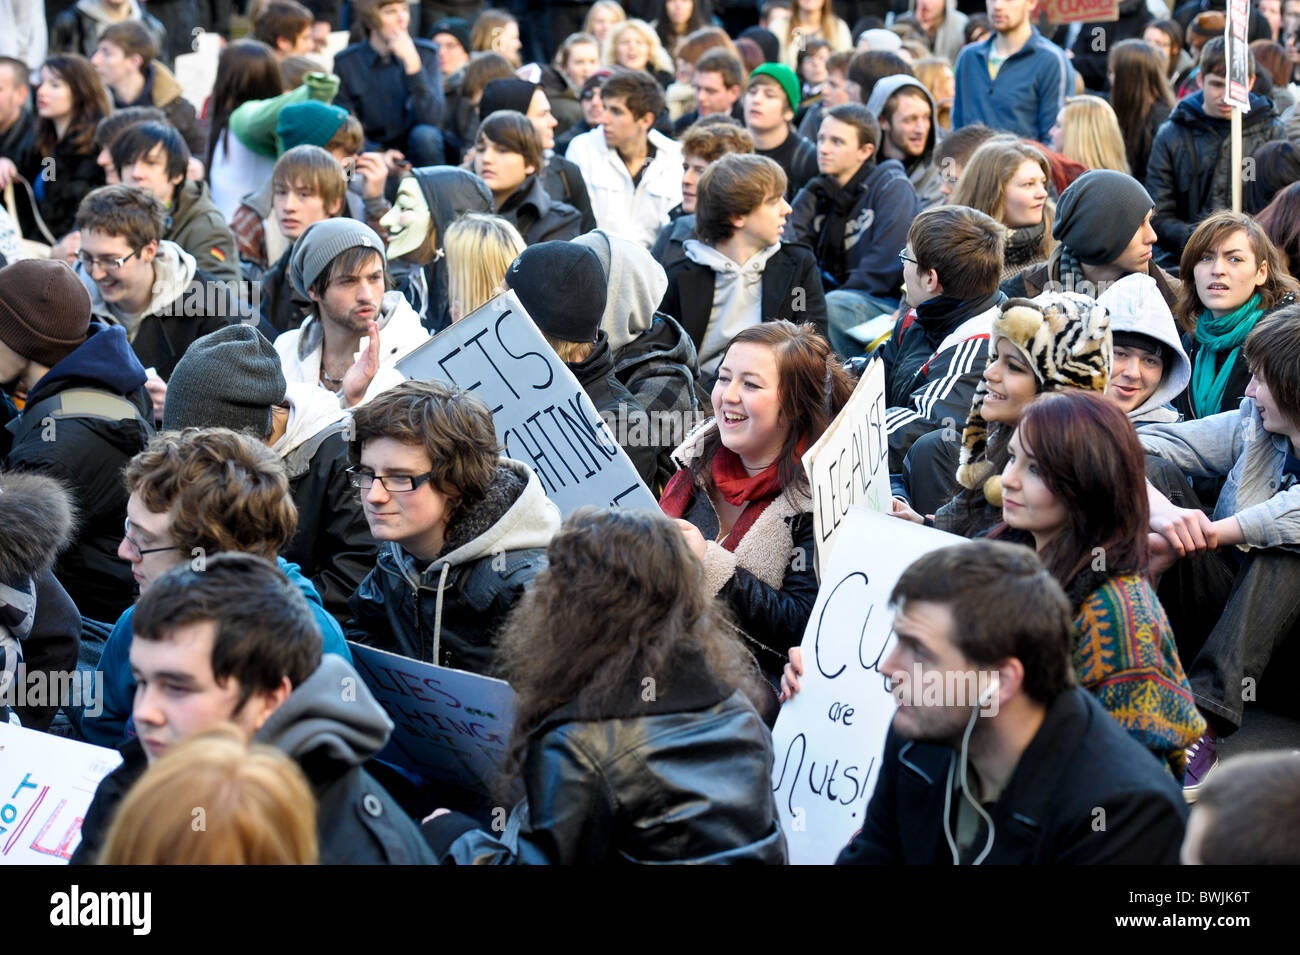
x=44, y=310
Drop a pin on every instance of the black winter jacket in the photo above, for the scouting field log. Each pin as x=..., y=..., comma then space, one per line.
x=668, y=248
x=332, y=544
x=537, y=216
x=685, y=778
x=75, y=32
x=1079, y=761
x=616, y=405
x=1190, y=163
x=563, y=182
x=75, y=174
x=87, y=454
x=790, y=279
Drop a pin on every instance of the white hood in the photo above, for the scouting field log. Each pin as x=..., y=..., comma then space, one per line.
x=311, y=411
x=1137, y=307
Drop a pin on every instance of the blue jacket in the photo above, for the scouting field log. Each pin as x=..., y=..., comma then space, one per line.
x=1026, y=97
x=113, y=726
x=377, y=91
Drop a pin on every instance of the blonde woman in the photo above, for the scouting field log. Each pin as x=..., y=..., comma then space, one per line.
x=257, y=807
x=479, y=249
x=602, y=18
x=1087, y=131
x=813, y=20
x=497, y=31
x=635, y=46
x=1008, y=179
x=936, y=74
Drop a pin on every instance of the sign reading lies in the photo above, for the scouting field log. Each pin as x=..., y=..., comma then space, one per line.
x=847, y=466
x=450, y=726
x=543, y=416
x=829, y=737
x=1088, y=11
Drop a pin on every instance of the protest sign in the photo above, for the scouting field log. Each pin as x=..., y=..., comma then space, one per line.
x=847, y=465
x=1089, y=11
x=829, y=737
x=543, y=416
x=1237, y=54
x=46, y=785
x=451, y=726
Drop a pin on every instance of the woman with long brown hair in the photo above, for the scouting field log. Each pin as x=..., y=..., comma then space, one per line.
x=1232, y=276
x=61, y=167
x=247, y=70
x=1074, y=486
x=1140, y=94
x=635, y=738
x=742, y=498
x=1007, y=179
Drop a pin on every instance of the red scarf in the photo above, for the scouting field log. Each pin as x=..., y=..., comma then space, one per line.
x=737, y=486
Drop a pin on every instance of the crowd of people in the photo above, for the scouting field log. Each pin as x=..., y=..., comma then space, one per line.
x=215, y=477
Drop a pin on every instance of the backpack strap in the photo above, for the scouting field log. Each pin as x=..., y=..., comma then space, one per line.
x=76, y=403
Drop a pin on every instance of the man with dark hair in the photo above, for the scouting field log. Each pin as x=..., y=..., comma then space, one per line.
x=632, y=170
x=866, y=68
x=154, y=157
x=112, y=126
x=147, y=284
x=232, y=379
x=739, y=223
x=86, y=414
x=1051, y=778
x=338, y=264
x=393, y=84
x=908, y=132
x=771, y=100
x=936, y=353
x=1189, y=173
x=235, y=642
x=17, y=122
x=462, y=531
x=193, y=494
x=954, y=152
x=717, y=84
x=1248, y=814
x=839, y=89
x=126, y=60
x=1015, y=81
x=77, y=30
x=852, y=215
x=286, y=27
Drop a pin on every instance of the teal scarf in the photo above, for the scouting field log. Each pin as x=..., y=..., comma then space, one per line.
x=1216, y=336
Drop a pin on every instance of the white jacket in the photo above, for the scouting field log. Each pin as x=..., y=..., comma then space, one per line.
x=635, y=212
x=400, y=333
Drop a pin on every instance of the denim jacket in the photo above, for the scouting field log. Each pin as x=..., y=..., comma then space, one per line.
x=1265, y=501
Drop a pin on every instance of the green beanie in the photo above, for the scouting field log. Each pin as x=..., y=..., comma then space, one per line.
x=783, y=75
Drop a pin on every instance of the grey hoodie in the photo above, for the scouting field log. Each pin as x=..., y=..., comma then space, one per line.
x=923, y=172
x=636, y=285
x=173, y=271
x=1136, y=306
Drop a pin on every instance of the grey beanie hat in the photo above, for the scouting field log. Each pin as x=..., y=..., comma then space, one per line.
x=322, y=243
x=229, y=378
x=1099, y=213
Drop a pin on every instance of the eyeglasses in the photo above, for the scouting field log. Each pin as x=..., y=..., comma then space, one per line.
x=902, y=254
x=134, y=548
x=393, y=483
x=89, y=262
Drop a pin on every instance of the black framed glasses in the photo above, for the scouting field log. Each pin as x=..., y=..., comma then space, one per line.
x=393, y=483
x=88, y=262
x=902, y=254
x=135, y=548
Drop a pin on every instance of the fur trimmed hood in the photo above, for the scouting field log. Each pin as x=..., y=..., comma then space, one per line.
x=37, y=518
x=1065, y=338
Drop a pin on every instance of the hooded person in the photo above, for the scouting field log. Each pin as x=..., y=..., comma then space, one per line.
x=922, y=170
x=85, y=416
x=232, y=379
x=1104, y=232
x=1061, y=340
x=77, y=30
x=428, y=200
x=457, y=550
x=39, y=625
x=1151, y=368
x=561, y=178
x=562, y=285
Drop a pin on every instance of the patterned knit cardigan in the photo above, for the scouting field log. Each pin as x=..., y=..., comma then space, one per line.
x=1124, y=654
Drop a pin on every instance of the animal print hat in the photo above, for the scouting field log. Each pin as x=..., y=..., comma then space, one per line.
x=1065, y=338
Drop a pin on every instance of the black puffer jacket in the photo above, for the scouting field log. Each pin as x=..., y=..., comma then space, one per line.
x=685, y=778
x=1191, y=159
x=449, y=612
x=538, y=216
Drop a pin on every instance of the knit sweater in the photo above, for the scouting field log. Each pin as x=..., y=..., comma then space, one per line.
x=1125, y=655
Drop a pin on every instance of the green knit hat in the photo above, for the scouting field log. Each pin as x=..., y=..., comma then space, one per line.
x=783, y=75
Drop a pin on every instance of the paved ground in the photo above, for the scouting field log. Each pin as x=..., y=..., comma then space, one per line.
x=1262, y=729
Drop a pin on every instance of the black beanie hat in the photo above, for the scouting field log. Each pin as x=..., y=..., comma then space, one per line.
x=506, y=94
x=454, y=26
x=766, y=40
x=44, y=310
x=1099, y=214
x=1144, y=342
x=562, y=285
x=229, y=378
